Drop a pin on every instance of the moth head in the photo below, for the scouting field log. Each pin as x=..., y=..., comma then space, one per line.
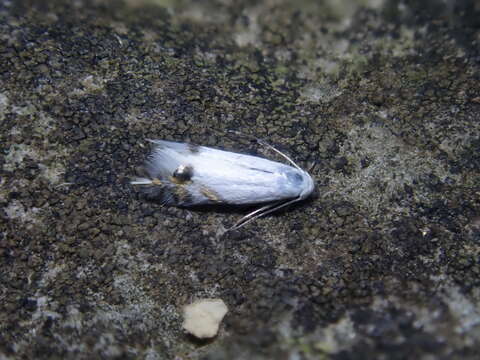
x=307, y=185
x=302, y=181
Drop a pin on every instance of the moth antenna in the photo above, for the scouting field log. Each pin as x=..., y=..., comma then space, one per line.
x=264, y=143
x=264, y=210
x=253, y=215
x=279, y=152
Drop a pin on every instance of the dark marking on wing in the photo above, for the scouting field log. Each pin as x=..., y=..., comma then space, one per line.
x=182, y=196
x=182, y=174
x=295, y=178
x=194, y=149
x=157, y=181
x=261, y=170
x=210, y=194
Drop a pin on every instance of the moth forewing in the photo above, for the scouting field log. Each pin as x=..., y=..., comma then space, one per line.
x=189, y=175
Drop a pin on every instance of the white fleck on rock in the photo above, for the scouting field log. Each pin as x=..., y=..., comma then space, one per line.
x=202, y=318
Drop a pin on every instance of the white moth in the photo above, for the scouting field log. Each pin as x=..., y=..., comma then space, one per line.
x=189, y=175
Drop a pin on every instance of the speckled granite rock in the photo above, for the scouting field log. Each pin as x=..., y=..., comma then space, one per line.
x=383, y=97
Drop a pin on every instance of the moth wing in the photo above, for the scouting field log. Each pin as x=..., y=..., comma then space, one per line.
x=221, y=176
x=240, y=160
x=168, y=155
x=243, y=179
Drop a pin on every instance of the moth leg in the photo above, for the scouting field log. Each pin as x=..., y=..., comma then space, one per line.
x=264, y=210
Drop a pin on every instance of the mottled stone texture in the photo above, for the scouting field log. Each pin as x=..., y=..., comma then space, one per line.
x=382, y=96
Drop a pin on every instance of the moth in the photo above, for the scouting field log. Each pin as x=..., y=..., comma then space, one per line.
x=187, y=175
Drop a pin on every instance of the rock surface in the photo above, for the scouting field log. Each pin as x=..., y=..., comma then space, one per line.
x=384, y=99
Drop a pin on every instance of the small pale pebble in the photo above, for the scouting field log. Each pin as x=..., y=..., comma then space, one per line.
x=202, y=318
